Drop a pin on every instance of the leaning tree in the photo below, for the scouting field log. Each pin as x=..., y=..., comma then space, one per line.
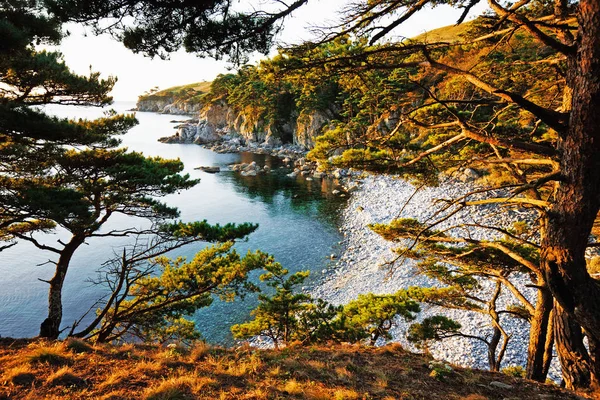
x=512, y=96
x=59, y=172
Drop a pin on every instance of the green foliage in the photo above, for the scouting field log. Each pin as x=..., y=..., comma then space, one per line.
x=439, y=370
x=374, y=314
x=209, y=29
x=516, y=371
x=32, y=142
x=155, y=306
x=404, y=228
x=277, y=316
x=288, y=316
x=430, y=329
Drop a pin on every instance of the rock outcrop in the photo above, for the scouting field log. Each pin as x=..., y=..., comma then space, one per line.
x=219, y=122
x=168, y=105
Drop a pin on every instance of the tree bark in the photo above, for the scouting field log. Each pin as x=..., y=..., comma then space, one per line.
x=570, y=220
x=539, y=336
x=50, y=327
x=573, y=356
x=549, y=351
x=594, y=348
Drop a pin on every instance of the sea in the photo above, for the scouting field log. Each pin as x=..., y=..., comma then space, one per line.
x=297, y=218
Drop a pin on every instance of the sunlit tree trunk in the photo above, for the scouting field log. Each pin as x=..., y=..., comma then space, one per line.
x=577, y=198
x=539, y=336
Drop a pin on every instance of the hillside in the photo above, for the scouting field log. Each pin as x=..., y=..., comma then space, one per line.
x=75, y=370
x=450, y=33
x=185, y=99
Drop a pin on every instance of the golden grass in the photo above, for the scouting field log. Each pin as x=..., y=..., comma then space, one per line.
x=210, y=373
x=47, y=354
x=345, y=394
x=199, y=351
x=65, y=377
x=78, y=346
x=179, y=388
x=292, y=387
x=148, y=367
x=450, y=33
x=19, y=376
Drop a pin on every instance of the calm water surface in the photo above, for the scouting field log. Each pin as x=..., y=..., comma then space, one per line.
x=297, y=224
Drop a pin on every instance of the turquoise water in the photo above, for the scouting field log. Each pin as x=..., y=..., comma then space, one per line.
x=297, y=224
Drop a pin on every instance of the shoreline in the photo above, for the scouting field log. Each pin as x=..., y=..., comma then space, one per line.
x=359, y=265
x=361, y=268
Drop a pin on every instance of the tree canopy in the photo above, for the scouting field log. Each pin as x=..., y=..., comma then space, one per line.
x=213, y=28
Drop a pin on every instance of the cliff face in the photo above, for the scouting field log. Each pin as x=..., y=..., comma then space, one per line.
x=168, y=105
x=222, y=116
x=218, y=121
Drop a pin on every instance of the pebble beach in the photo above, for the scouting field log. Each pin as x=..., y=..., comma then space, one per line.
x=363, y=264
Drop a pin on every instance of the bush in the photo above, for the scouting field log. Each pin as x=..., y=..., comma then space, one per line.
x=514, y=370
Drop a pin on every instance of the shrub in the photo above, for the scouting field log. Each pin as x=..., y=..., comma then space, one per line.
x=19, y=376
x=514, y=370
x=48, y=355
x=65, y=377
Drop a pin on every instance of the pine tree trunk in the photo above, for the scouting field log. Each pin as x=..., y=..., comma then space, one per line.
x=577, y=197
x=50, y=327
x=492, y=346
x=539, y=336
x=549, y=351
x=573, y=356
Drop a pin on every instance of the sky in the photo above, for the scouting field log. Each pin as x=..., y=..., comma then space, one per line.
x=137, y=73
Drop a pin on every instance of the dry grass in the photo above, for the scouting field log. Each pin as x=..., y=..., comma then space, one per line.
x=199, y=352
x=48, y=354
x=65, y=377
x=204, y=372
x=78, y=346
x=180, y=388
x=19, y=376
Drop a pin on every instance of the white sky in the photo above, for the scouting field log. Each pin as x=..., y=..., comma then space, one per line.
x=137, y=73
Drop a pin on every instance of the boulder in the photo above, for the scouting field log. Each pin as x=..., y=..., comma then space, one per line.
x=469, y=175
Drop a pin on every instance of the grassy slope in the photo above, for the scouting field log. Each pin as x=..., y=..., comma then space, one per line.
x=75, y=370
x=192, y=92
x=450, y=33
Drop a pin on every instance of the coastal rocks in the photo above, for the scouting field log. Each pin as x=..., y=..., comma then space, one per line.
x=500, y=385
x=167, y=105
x=251, y=169
x=210, y=170
x=469, y=175
x=205, y=133
x=218, y=122
x=309, y=126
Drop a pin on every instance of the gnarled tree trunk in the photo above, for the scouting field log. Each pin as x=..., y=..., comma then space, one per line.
x=578, y=195
x=574, y=357
x=539, y=337
x=50, y=327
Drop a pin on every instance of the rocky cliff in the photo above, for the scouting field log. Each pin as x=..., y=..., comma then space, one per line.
x=183, y=100
x=168, y=105
x=218, y=122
